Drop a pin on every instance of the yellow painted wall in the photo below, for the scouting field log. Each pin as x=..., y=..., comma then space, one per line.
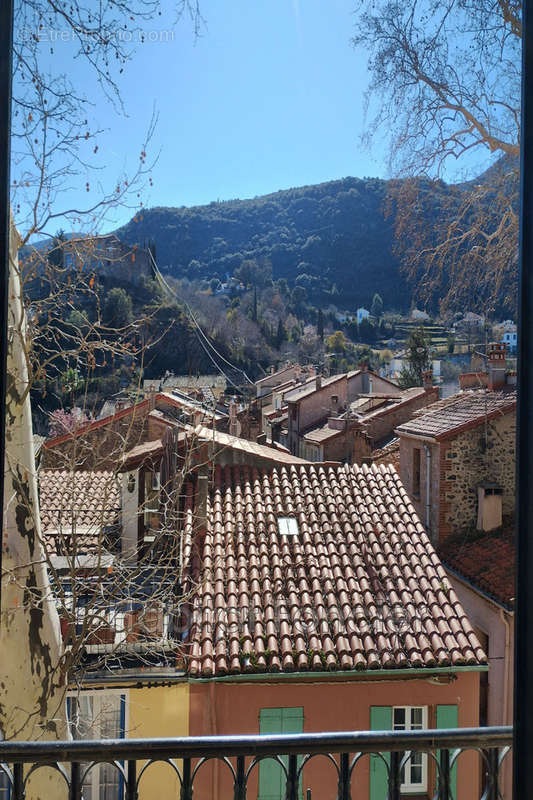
x=156, y=712
x=153, y=713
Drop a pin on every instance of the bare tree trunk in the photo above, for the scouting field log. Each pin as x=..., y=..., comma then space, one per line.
x=32, y=699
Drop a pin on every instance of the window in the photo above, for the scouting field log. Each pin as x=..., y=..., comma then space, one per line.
x=387, y=718
x=414, y=772
x=288, y=526
x=416, y=472
x=99, y=715
x=271, y=775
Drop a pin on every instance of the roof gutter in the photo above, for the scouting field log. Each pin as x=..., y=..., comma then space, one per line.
x=132, y=680
x=341, y=675
x=418, y=436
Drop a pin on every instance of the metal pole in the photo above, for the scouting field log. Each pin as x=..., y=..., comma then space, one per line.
x=6, y=58
x=523, y=685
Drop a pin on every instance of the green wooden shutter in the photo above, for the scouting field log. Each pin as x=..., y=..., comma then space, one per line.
x=380, y=720
x=448, y=717
x=271, y=776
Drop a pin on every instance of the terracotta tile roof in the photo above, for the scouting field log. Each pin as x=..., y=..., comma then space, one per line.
x=466, y=409
x=226, y=440
x=388, y=454
x=322, y=433
x=487, y=561
x=310, y=388
x=91, y=500
x=141, y=453
x=359, y=587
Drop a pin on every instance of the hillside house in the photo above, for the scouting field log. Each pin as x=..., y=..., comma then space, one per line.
x=419, y=316
x=318, y=603
x=290, y=372
x=510, y=340
x=108, y=257
x=101, y=444
x=457, y=462
x=361, y=314
x=344, y=417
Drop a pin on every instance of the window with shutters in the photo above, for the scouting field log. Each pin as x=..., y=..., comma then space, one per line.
x=414, y=771
x=271, y=775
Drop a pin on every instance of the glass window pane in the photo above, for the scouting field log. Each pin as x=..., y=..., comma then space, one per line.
x=4, y=785
x=416, y=718
x=399, y=719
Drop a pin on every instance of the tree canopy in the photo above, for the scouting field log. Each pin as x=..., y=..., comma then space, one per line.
x=447, y=75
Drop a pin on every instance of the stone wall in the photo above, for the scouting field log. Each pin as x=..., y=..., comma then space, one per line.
x=466, y=461
x=382, y=422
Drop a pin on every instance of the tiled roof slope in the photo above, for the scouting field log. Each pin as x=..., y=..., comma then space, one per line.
x=488, y=562
x=360, y=587
x=450, y=416
x=91, y=499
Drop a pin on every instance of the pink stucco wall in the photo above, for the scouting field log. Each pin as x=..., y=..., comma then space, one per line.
x=233, y=708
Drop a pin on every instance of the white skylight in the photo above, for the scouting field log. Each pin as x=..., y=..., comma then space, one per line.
x=288, y=526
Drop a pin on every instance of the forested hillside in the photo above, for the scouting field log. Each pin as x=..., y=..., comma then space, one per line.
x=334, y=239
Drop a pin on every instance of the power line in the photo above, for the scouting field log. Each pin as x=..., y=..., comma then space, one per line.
x=198, y=330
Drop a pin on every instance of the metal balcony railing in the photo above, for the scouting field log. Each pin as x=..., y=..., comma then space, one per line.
x=241, y=756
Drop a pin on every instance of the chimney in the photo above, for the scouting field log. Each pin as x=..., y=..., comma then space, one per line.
x=233, y=421
x=129, y=514
x=334, y=404
x=427, y=379
x=318, y=382
x=496, y=365
x=489, y=510
x=261, y=438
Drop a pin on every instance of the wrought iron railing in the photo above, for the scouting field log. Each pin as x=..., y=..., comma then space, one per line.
x=242, y=755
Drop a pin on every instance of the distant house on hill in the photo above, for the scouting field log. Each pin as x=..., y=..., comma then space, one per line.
x=343, y=316
x=510, y=340
x=419, y=316
x=471, y=319
x=361, y=314
x=108, y=256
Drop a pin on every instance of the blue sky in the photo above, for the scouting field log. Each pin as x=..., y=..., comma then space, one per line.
x=270, y=96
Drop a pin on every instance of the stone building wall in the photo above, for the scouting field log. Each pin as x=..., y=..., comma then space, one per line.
x=466, y=461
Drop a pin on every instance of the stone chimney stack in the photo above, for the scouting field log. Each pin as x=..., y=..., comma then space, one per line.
x=233, y=422
x=427, y=379
x=496, y=366
x=318, y=382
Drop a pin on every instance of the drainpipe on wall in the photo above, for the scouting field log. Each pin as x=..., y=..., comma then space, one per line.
x=507, y=665
x=428, y=487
